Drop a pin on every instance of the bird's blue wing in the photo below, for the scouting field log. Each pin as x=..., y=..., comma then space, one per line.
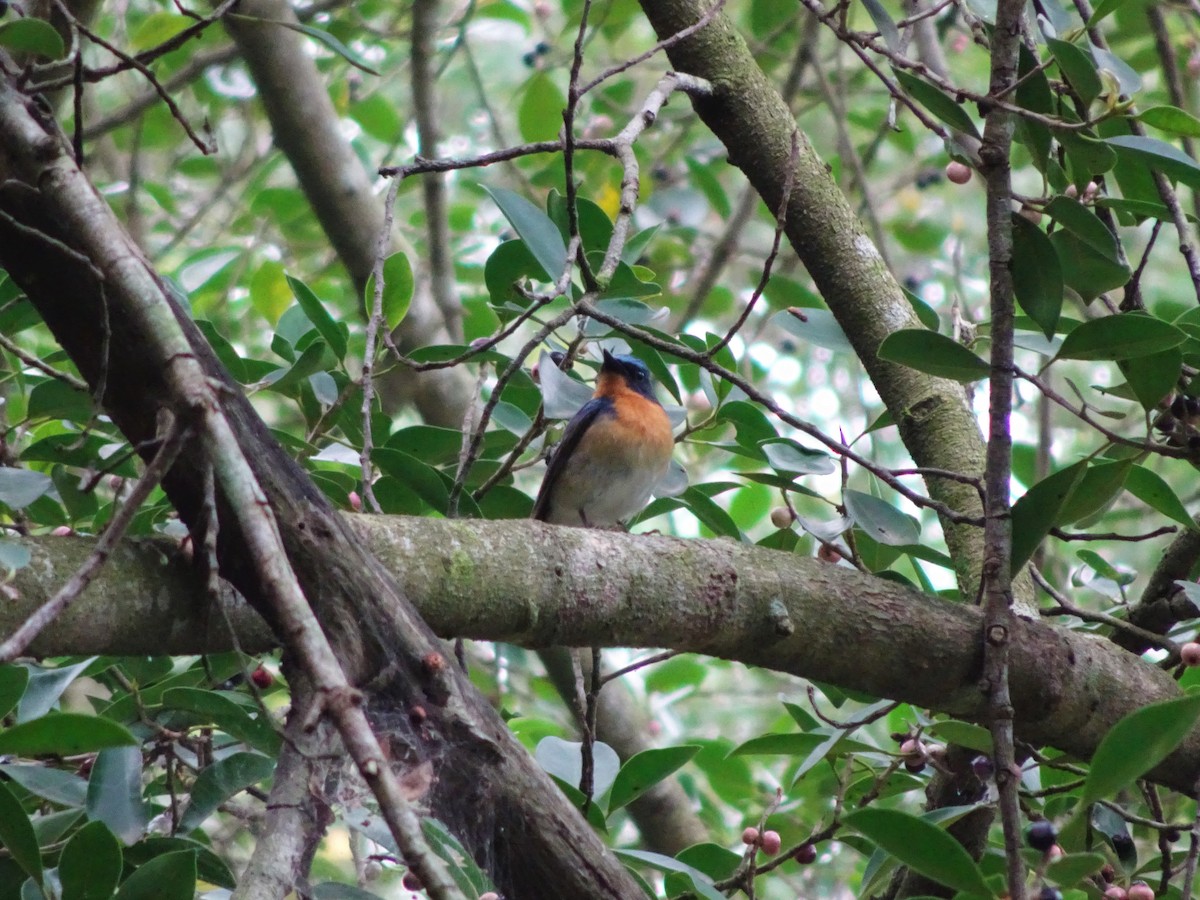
x=576, y=428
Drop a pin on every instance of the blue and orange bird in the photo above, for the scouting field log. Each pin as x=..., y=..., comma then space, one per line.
x=613, y=452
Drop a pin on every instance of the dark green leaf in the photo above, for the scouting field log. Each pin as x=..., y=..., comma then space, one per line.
x=1151, y=489
x=942, y=106
x=701, y=882
x=16, y=834
x=1086, y=270
x=644, y=770
x=1123, y=336
x=115, y=792
x=883, y=22
x=1138, y=743
x=539, y=115
x=1100, y=484
x=398, y=287
x=314, y=359
x=90, y=865
x=786, y=455
x=209, y=866
x=922, y=846
x=1172, y=119
x=64, y=734
x=221, y=709
x=536, y=229
x=318, y=316
x=1078, y=67
x=13, y=680
x=1038, y=511
x=1084, y=224
x=471, y=880
x=818, y=327
x=171, y=876
x=1037, y=275
x=46, y=686
x=1159, y=156
x=55, y=785
x=1067, y=871
x=223, y=779
x=934, y=354
x=1153, y=377
x=881, y=520
x=32, y=35
x=965, y=734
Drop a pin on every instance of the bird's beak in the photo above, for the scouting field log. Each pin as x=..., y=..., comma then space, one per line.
x=611, y=363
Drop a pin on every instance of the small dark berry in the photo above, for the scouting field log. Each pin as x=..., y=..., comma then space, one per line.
x=983, y=767
x=805, y=854
x=262, y=678
x=1041, y=835
x=529, y=59
x=1172, y=835
x=411, y=882
x=542, y=48
x=1108, y=873
x=1049, y=893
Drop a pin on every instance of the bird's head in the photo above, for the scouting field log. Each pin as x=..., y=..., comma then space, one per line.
x=628, y=372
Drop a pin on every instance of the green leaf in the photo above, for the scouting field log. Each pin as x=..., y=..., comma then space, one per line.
x=1100, y=484
x=13, y=680
x=1138, y=743
x=965, y=734
x=922, y=847
x=510, y=263
x=20, y=487
x=17, y=836
x=786, y=455
x=1084, y=224
x=221, y=709
x=818, y=327
x=1153, y=377
x=1159, y=156
x=701, y=882
x=564, y=760
x=1078, y=67
x=1086, y=270
x=209, y=866
x=471, y=880
x=1037, y=275
x=171, y=876
x=1171, y=119
x=539, y=116
x=115, y=793
x=883, y=22
x=1123, y=336
x=1103, y=9
x=32, y=35
x=1067, y=871
x=1151, y=489
x=311, y=361
x=323, y=37
x=881, y=520
x=90, y=865
x=319, y=316
x=398, y=287
x=64, y=734
x=222, y=780
x=1038, y=511
x=55, y=785
x=536, y=229
x=942, y=106
x=934, y=354
x=644, y=770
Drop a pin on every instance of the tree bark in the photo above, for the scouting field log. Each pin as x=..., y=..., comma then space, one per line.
x=126, y=334
x=537, y=585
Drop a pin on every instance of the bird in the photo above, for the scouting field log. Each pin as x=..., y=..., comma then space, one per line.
x=612, y=453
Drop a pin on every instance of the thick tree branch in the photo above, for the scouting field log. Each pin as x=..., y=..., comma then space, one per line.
x=748, y=115
x=537, y=585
